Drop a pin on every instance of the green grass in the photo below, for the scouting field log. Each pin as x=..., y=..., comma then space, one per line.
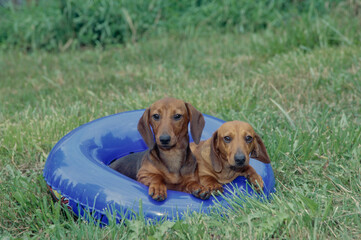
x=60, y=25
x=306, y=105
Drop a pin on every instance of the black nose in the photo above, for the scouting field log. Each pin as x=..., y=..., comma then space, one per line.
x=240, y=159
x=164, y=139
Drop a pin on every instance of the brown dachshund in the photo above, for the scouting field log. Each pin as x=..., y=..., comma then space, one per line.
x=226, y=154
x=169, y=162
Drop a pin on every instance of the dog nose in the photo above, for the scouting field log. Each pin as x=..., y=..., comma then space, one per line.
x=164, y=139
x=240, y=159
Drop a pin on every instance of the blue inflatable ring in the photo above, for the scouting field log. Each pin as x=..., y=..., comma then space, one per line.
x=77, y=173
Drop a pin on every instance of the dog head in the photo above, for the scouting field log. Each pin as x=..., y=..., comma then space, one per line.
x=233, y=144
x=169, y=119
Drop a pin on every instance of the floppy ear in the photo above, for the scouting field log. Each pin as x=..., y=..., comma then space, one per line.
x=197, y=122
x=144, y=129
x=215, y=158
x=259, y=152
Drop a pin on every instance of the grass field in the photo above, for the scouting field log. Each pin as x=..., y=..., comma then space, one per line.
x=304, y=102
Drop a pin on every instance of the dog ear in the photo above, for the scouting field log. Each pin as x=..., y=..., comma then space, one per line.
x=259, y=152
x=215, y=158
x=197, y=122
x=144, y=129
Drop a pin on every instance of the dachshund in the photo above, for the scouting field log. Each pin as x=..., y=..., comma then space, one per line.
x=169, y=162
x=225, y=156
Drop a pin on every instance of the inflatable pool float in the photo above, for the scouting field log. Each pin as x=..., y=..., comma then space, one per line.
x=77, y=173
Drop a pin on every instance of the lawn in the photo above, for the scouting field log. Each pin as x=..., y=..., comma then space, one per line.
x=305, y=102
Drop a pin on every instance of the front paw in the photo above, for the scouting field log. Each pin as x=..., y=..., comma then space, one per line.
x=199, y=191
x=215, y=188
x=158, y=191
x=256, y=181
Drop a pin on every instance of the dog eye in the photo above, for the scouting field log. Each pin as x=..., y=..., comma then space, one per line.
x=156, y=117
x=249, y=139
x=177, y=117
x=227, y=139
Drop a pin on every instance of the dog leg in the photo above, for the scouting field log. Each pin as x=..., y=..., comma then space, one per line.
x=157, y=187
x=196, y=190
x=211, y=184
x=253, y=177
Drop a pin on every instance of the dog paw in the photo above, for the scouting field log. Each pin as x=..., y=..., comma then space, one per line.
x=215, y=188
x=256, y=181
x=199, y=191
x=158, y=192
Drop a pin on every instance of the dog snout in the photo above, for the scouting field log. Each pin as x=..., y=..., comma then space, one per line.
x=239, y=159
x=164, y=139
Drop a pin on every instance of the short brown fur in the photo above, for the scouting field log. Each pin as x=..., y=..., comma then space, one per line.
x=216, y=156
x=171, y=165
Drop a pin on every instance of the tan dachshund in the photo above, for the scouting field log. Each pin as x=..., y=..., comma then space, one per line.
x=226, y=154
x=169, y=162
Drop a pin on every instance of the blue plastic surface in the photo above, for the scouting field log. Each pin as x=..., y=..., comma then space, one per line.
x=77, y=169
